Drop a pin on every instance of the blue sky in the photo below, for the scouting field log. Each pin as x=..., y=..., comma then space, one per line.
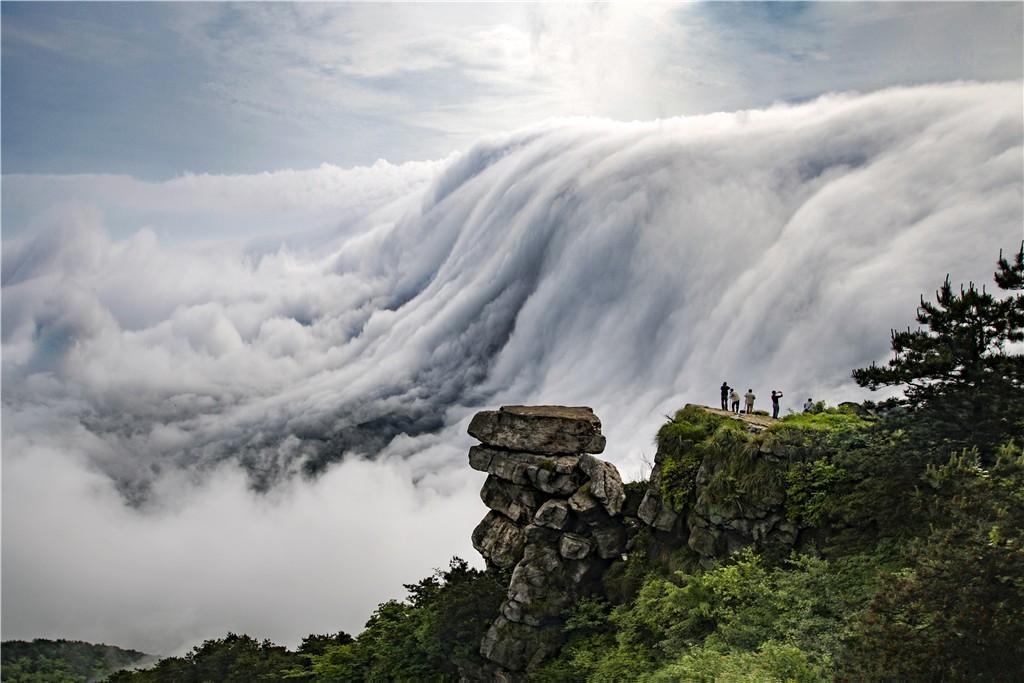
x=155, y=90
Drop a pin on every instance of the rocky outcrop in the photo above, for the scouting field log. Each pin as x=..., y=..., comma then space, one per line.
x=738, y=501
x=555, y=522
x=559, y=517
x=728, y=515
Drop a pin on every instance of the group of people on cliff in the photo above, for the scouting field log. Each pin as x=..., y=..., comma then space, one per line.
x=731, y=401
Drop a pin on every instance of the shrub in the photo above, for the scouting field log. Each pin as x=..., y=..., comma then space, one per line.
x=678, y=476
x=809, y=486
x=589, y=631
x=747, y=611
x=772, y=661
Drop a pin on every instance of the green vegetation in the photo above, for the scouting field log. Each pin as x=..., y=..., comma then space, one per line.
x=742, y=621
x=232, y=659
x=916, y=572
x=61, y=661
x=427, y=637
x=809, y=488
x=953, y=613
x=424, y=638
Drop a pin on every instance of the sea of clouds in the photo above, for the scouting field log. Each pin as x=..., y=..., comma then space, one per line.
x=207, y=431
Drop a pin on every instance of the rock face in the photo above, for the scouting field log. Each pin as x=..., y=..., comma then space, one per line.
x=654, y=511
x=726, y=515
x=555, y=521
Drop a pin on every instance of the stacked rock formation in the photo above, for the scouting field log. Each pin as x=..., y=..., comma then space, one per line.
x=555, y=522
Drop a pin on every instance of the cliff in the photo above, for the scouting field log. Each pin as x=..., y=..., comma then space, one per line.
x=560, y=518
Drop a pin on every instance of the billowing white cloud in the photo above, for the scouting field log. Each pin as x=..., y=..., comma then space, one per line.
x=627, y=266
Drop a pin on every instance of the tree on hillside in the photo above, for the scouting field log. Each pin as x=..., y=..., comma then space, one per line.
x=428, y=637
x=316, y=644
x=963, y=384
x=56, y=661
x=1011, y=276
x=232, y=659
x=954, y=613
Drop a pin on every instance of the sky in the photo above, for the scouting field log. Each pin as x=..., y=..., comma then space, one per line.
x=262, y=262
x=156, y=90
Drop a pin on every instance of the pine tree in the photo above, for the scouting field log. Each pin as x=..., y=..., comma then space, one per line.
x=964, y=382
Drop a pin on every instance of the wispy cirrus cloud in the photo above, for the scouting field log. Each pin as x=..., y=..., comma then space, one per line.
x=248, y=87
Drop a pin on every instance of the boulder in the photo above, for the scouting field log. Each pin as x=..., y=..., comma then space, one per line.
x=553, y=514
x=703, y=541
x=556, y=569
x=605, y=483
x=555, y=521
x=539, y=583
x=574, y=547
x=518, y=503
x=611, y=540
x=654, y=512
x=520, y=647
x=499, y=540
x=547, y=430
x=587, y=507
x=556, y=475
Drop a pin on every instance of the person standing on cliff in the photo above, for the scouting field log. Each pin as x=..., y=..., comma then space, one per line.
x=748, y=399
x=734, y=396
x=725, y=396
x=776, y=395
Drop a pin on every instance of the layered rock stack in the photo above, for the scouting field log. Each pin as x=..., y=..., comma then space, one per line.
x=555, y=522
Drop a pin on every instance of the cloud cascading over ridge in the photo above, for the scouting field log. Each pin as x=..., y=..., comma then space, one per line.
x=628, y=266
